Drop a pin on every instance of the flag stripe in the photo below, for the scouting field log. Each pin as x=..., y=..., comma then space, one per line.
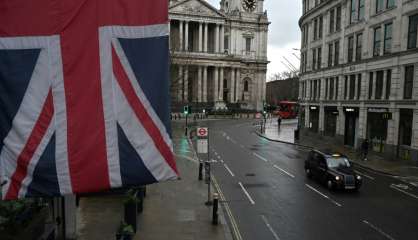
x=141, y=112
x=32, y=144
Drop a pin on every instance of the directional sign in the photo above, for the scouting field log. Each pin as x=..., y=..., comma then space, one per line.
x=202, y=132
x=202, y=146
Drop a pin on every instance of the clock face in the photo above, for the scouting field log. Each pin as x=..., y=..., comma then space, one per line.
x=249, y=5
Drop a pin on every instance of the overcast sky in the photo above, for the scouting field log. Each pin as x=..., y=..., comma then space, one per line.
x=284, y=33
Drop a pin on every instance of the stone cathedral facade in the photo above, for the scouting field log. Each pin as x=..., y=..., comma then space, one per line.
x=218, y=56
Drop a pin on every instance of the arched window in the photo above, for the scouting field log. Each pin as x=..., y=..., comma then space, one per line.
x=246, y=86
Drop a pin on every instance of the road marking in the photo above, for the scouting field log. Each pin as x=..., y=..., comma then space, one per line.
x=260, y=157
x=323, y=195
x=270, y=228
x=378, y=230
x=235, y=229
x=229, y=170
x=393, y=186
x=364, y=175
x=242, y=146
x=246, y=193
x=277, y=167
x=219, y=157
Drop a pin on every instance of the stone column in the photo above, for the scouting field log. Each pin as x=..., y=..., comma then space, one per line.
x=186, y=37
x=348, y=87
x=205, y=84
x=321, y=123
x=385, y=79
x=239, y=86
x=362, y=125
x=205, y=40
x=186, y=84
x=180, y=83
x=232, y=41
x=181, y=35
x=307, y=117
x=356, y=93
x=335, y=88
x=199, y=84
x=232, y=87
x=222, y=40
x=200, y=36
x=217, y=38
x=215, y=84
x=221, y=84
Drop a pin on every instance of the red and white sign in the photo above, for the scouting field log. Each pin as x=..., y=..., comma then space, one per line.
x=258, y=116
x=202, y=132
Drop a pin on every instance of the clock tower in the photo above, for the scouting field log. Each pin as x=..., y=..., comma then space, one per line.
x=247, y=6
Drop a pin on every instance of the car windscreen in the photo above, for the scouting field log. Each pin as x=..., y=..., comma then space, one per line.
x=334, y=162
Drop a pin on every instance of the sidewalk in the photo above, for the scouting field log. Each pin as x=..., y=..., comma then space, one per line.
x=403, y=169
x=172, y=210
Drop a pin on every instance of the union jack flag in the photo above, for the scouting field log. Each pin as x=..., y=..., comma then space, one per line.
x=84, y=96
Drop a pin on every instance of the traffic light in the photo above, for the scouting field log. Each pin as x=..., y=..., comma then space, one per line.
x=264, y=109
x=186, y=110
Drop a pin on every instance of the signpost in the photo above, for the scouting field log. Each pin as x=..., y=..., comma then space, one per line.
x=203, y=148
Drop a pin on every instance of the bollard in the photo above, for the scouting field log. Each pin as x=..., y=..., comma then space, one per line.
x=215, y=209
x=200, y=171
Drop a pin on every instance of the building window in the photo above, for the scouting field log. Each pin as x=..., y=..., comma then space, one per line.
x=338, y=22
x=246, y=86
x=331, y=20
x=316, y=29
x=405, y=126
x=353, y=11
x=390, y=3
x=388, y=83
x=319, y=51
x=379, y=85
x=226, y=42
x=352, y=86
x=379, y=6
x=330, y=55
x=313, y=59
x=412, y=31
x=388, y=38
x=361, y=9
x=315, y=89
x=409, y=82
x=359, y=44
x=321, y=26
x=345, y=87
x=336, y=53
x=337, y=86
x=331, y=89
x=350, y=49
x=377, y=41
x=248, y=44
x=358, y=86
x=371, y=85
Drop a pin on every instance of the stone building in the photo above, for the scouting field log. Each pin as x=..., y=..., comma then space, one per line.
x=360, y=73
x=218, y=57
x=284, y=89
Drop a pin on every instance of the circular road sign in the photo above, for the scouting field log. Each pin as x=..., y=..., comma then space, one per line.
x=202, y=132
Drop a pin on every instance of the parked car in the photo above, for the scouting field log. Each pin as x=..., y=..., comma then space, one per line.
x=332, y=169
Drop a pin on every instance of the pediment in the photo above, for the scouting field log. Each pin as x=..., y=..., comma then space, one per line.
x=195, y=7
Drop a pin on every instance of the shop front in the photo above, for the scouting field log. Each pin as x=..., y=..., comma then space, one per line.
x=330, y=121
x=405, y=134
x=351, y=125
x=377, y=124
x=314, y=118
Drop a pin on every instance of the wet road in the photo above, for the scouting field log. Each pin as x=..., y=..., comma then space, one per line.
x=266, y=191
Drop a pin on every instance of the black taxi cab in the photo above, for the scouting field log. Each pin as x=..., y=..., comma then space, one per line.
x=333, y=169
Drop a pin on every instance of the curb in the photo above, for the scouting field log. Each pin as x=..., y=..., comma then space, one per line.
x=353, y=162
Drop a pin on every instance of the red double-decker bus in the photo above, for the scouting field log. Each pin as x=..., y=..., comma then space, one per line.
x=287, y=109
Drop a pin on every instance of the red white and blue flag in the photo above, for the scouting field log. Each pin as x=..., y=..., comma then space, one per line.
x=84, y=96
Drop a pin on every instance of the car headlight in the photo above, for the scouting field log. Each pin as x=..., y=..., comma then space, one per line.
x=358, y=177
x=337, y=178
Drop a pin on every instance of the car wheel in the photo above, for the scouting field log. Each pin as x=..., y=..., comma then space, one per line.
x=308, y=173
x=330, y=185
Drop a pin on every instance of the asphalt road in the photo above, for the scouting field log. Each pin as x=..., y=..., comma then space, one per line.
x=269, y=196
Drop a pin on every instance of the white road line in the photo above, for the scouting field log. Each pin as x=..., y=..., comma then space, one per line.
x=260, y=157
x=229, y=170
x=405, y=192
x=219, y=157
x=378, y=230
x=270, y=228
x=364, y=175
x=246, y=193
x=242, y=146
x=277, y=167
x=323, y=195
